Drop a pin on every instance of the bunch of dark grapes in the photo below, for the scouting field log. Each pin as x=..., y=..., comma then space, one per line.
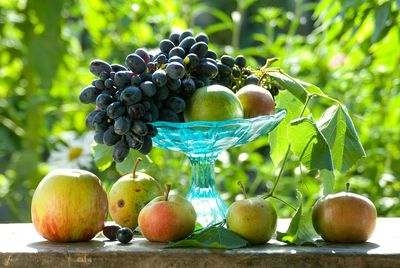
x=147, y=88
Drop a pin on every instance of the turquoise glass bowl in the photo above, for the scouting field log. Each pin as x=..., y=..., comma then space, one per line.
x=202, y=141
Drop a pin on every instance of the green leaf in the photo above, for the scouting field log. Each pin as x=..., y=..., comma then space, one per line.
x=382, y=13
x=338, y=129
x=291, y=84
x=309, y=145
x=102, y=156
x=278, y=138
x=328, y=181
x=126, y=166
x=215, y=236
x=300, y=231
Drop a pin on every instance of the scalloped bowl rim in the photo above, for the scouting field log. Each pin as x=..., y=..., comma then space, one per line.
x=278, y=114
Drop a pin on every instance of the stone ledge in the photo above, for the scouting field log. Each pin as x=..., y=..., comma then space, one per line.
x=21, y=246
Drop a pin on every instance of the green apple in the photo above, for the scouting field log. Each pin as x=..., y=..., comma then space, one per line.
x=167, y=218
x=254, y=219
x=69, y=205
x=213, y=103
x=256, y=101
x=130, y=194
x=344, y=217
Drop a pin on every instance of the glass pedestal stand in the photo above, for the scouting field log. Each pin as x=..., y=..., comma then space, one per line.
x=202, y=141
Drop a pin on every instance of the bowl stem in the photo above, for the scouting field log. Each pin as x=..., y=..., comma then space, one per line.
x=203, y=194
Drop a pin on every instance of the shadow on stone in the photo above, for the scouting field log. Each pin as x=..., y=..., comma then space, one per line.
x=48, y=246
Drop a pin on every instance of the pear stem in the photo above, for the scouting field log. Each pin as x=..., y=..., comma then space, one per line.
x=138, y=160
x=347, y=187
x=242, y=188
x=167, y=189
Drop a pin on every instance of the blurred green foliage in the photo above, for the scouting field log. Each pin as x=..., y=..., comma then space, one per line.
x=350, y=49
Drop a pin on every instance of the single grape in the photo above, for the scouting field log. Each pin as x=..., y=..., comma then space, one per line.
x=98, y=67
x=136, y=80
x=103, y=100
x=151, y=130
x=135, y=63
x=122, y=125
x=146, y=146
x=162, y=93
x=174, y=84
x=110, y=231
x=251, y=80
x=168, y=115
x=228, y=60
x=161, y=59
x=166, y=45
x=119, y=152
x=159, y=78
x=206, y=68
x=90, y=119
x=151, y=66
x=184, y=34
x=201, y=37
x=174, y=37
x=139, y=128
x=188, y=87
x=100, y=121
x=199, y=83
x=148, y=88
x=211, y=54
x=146, y=104
x=223, y=69
x=146, y=76
x=187, y=43
x=191, y=61
x=89, y=94
x=136, y=111
x=110, y=137
x=147, y=117
x=131, y=95
x=98, y=136
x=175, y=103
x=177, y=51
x=118, y=67
x=154, y=111
x=141, y=52
x=175, y=70
x=98, y=84
x=108, y=83
x=134, y=141
x=122, y=78
x=174, y=59
x=240, y=61
x=199, y=48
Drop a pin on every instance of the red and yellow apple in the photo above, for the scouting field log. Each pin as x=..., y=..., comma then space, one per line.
x=256, y=101
x=69, y=205
x=344, y=217
x=167, y=218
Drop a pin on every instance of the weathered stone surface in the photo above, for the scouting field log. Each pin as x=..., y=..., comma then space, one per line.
x=21, y=246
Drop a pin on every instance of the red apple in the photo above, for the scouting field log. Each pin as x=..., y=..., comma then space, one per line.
x=69, y=205
x=256, y=101
x=344, y=217
x=167, y=218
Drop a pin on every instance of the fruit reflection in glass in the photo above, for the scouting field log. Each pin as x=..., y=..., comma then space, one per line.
x=202, y=142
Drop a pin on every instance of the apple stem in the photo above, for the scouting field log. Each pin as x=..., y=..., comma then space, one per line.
x=242, y=188
x=347, y=187
x=167, y=189
x=138, y=160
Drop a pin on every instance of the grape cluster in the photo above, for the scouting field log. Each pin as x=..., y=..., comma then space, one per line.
x=234, y=73
x=147, y=88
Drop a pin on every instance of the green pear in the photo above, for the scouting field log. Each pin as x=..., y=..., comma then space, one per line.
x=254, y=219
x=129, y=195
